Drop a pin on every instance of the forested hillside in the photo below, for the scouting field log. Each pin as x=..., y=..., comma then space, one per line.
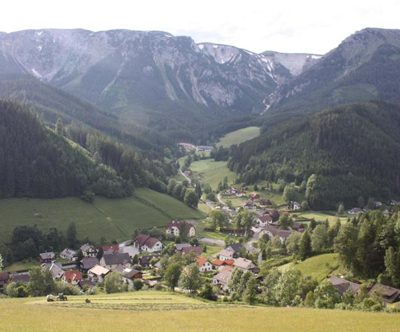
x=38, y=162
x=353, y=151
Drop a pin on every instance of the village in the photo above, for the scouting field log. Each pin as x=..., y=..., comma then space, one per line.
x=220, y=248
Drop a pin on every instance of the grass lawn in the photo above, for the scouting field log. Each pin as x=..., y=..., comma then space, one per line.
x=21, y=266
x=239, y=136
x=115, y=219
x=212, y=172
x=319, y=267
x=162, y=311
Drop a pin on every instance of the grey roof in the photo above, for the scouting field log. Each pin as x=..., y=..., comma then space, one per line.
x=22, y=277
x=88, y=262
x=180, y=246
x=235, y=247
x=342, y=285
x=131, y=273
x=47, y=255
x=116, y=258
x=223, y=277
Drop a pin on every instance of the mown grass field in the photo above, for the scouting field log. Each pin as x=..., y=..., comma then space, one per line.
x=160, y=311
x=239, y=136
x=115, y=219
x=212, y=172
x=319, y=267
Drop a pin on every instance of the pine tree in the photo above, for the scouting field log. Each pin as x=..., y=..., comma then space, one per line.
x=305, y=246
x=60, y=127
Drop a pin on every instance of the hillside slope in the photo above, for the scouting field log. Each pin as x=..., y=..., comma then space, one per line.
x=365, y=66
x=354, y=151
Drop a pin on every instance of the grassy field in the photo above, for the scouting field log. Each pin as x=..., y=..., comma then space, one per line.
x=239, y=136
x=160, y=311
x=319, y=267
x=212, y=172
x=115, y=219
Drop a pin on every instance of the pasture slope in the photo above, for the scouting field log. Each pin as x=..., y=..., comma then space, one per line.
x=115, y=219
x=238, y=136
x=165, y=312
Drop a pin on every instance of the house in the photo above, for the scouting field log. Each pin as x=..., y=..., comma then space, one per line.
x=188, y=250
x=47, y=257
x=21, y=277
x=222, y=264
x=266, y=202
x=179, y=246
x=83, y=283
x=294, y=206
x=55, y=269
x=388, y=295
x=298, y=226
x=69, y=254
x=72, y=277
x=175, y=228
x=221, y=279
x=145, y=260
x=146, y=243
x=3, y=278
x=235, y=248
x=129, y=276
x=342, y=285
x=225, y=254
x=204, y=148
x=88, y=250
x=113, y=258
x=272, y=231
x=130, y=250
x=355, y=211
x=204, y=264
x=87, y=263
x=97, y=273
x=249, y=205
x=254, y=196
x=244, y=264
x=264, y=220
x=114, y=247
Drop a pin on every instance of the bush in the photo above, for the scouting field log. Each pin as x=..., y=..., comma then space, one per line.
x=208, y=292
x=137, y=284
x=17, y=289
x=158, y=286
x=67, y=289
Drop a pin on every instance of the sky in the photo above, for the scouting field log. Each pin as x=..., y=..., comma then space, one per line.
x=295, y=26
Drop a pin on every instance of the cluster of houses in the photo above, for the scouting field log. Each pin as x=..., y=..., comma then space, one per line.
x=377, y=205
x=190, y=147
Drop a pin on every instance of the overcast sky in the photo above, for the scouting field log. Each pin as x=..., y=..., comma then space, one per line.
x=308, y=26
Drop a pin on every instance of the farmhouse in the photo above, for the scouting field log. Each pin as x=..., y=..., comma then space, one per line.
x=72, y=277
x=69, y=254
x=47, y=257
x=388, y=295
x=294, y=206
x=177, y=227
x=129, y=275
x=254, y=196
x=146, y=243
x=204, y=264
x=88, y=250
x=114, y=247
x=21, y=277
x=244, y=264
x=204, y=148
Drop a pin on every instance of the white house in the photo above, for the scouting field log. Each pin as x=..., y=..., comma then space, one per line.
x=222, y=279
x=204, y=264
x=175, y=228
x=69, y=254
x=97, y=273
x=88, y=250
x=146, y=243
x=225, y=254
x=264, y=220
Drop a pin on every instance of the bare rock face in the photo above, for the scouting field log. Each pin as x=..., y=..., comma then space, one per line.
x=121, y=68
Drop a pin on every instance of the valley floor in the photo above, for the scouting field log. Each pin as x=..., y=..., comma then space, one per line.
x=162, y=311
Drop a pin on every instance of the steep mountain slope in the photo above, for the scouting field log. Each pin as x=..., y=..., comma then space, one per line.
x=120, y=68
x=36, y=162
x=364, y=66
x=354, y=151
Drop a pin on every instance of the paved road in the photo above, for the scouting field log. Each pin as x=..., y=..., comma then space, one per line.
x=186, y=177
